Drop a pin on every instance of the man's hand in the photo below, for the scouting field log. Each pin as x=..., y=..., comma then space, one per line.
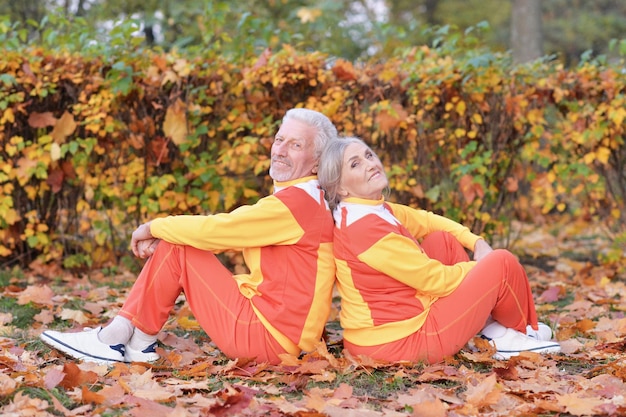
x=481, y=249
x=142, y=243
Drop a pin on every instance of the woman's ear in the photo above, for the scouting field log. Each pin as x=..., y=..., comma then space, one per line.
x=315, y=168
x=342, y=192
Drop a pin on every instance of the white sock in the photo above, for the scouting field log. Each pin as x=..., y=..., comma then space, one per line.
x=493, y=330
x=141, y=340
x=119, y=331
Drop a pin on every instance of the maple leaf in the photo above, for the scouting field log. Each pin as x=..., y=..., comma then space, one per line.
x=38, y=294
x=577, y=405
x=144, y=386
x=485, y=393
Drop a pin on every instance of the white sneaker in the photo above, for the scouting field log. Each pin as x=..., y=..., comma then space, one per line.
x=146, y=355
x=512, y=343
x=544, y=333
x=85, y=346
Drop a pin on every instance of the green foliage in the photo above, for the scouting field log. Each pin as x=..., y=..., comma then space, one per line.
x=22, y=314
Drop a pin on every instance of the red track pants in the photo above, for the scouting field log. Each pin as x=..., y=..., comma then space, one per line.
x=212, y=294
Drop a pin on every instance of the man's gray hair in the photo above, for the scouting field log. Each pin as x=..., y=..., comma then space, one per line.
x=325, y=129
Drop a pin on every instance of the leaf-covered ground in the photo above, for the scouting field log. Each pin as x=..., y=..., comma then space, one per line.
x=584, y=301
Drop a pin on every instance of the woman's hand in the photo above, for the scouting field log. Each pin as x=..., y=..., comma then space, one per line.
x=142, y=243
x=146, y=248
x=481, y=249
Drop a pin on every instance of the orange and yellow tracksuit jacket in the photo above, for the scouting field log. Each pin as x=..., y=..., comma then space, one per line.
x=286, y=241
x=386, y=282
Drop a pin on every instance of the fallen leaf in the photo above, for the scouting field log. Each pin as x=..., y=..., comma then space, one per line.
x=37, y=294
x=53, y=378
x=7, y=385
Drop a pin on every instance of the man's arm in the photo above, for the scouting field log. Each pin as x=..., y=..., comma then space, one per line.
x=268, y=222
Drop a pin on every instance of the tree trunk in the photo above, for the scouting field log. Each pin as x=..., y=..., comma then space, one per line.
x=526, y=32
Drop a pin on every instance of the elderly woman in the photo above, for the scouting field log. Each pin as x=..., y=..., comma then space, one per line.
x=408, y=288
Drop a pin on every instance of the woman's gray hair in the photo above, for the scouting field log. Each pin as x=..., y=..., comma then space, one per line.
x=329, y=170
x=325, y=129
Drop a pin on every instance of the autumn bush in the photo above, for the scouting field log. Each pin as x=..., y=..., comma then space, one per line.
x=94, y=144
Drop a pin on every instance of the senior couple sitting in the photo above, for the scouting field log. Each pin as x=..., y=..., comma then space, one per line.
x=409, y=290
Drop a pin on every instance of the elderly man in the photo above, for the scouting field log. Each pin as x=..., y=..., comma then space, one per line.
x=280, y=307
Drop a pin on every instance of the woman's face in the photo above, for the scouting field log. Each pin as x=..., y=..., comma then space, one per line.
x=362, y=173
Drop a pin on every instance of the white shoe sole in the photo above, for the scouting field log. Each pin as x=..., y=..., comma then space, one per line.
x=507, y=354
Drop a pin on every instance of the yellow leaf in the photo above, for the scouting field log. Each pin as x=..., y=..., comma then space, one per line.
x=461, y=107
x=308, y=15
x=188, y=323
x=459, y=133
x=181, y=66
x=535, y=116
x=603, y=154
x=617, y=116
x=8, y=116
x=175, y=124
x=76, y=315
x=477, y=118
x=589, y=158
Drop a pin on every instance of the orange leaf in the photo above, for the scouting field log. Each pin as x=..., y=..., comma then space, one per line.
x=433, y=408
x=344, y=70
x=469, y=189
x=36, y=294
x=75, y=377
x=388, y=119
x=91, y=397
x=39, y=120
x=64, y=127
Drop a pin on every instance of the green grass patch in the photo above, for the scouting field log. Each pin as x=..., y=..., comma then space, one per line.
x=22, y=314
x=10, y=276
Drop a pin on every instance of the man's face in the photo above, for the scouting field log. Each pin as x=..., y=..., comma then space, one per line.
x=293, y=152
